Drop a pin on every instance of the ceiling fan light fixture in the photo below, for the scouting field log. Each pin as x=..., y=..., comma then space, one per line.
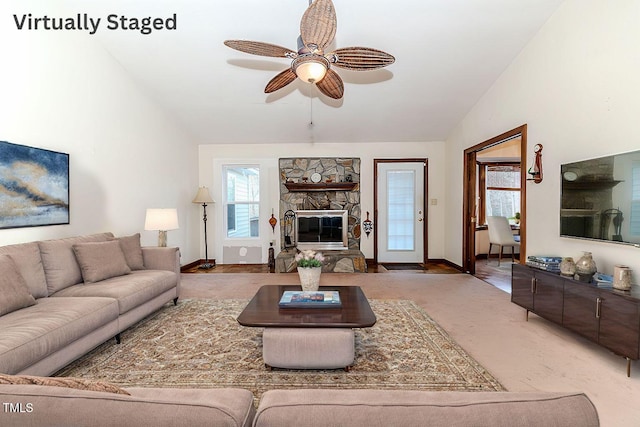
x=310, y=68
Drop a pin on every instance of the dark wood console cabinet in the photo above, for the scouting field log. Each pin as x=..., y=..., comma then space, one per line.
x=608, y=317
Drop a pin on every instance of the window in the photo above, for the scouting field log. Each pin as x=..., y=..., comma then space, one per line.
x=499, y=190
x=242, y=201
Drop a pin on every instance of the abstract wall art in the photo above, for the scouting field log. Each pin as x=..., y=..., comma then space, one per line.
x=34, y=186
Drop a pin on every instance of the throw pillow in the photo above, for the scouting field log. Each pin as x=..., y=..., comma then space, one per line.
x=68, y=382
x=100, y=260
x=14, y=293
x=132, y=251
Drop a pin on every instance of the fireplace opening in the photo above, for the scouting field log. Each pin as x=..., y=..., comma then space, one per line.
x=321, y=229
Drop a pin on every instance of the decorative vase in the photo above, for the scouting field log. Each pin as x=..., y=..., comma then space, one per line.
x=309, y=278
x=568, y=267
x=586, y=267
x=621, y=277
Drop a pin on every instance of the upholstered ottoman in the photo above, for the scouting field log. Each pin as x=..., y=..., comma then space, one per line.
x=308, y=348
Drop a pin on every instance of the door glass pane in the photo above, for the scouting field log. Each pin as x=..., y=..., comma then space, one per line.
x=242, y=200
x=400, y=210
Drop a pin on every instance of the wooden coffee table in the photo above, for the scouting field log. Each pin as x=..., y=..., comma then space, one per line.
x=308, y=338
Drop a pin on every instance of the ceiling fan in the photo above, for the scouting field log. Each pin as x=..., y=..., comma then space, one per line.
x=310, y=63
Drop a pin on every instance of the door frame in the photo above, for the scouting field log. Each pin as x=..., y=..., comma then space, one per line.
x=425, y=163
x=469, y=196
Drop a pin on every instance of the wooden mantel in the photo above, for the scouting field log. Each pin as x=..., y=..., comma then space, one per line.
x=321, y=186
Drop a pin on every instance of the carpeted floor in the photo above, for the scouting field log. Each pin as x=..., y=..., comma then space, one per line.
x=200, y=344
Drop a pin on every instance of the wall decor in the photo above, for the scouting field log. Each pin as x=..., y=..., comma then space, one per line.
x=536, y=168
x=34, y=186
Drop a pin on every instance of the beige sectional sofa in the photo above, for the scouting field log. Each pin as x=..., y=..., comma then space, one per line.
x=52, y=406
x=61, y=298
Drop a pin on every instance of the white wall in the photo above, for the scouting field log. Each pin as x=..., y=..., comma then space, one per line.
x=61, y=91
x=576, y=86
x=212, y=157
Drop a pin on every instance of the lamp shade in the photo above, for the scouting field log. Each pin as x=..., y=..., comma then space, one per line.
x=161, y=219
x=203, y=196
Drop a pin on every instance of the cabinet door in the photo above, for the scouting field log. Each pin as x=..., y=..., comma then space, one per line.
x=548, y=296
x=620, y=325
x=521, y=287
x=579, y=313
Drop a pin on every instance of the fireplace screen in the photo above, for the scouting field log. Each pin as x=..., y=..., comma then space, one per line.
x=321, y=229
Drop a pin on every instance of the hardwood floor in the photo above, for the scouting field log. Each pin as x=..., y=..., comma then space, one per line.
x=500, y=277
x=431, y=268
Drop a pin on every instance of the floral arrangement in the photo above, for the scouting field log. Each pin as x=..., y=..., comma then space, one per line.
x=309, y=258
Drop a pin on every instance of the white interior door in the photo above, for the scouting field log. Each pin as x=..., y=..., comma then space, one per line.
x=401, y=214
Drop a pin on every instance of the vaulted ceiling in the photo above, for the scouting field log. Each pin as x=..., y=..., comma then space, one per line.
x=448, y=54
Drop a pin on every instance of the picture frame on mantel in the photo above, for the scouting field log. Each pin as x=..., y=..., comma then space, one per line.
x=34, y=186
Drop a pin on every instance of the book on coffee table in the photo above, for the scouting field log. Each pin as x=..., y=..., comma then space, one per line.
x=315, y=299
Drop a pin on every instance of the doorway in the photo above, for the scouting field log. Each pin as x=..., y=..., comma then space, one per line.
x=474, y=207
x=400, y=217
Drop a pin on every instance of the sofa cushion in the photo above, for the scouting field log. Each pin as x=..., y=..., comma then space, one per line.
x=33, y=333
x=60, y=265
x=100, y=260
x=27, y=258
x=14, y=293
x=131, y=290
x=360, y=408
x=68, y=382
x=132, y=251
x=158, y=407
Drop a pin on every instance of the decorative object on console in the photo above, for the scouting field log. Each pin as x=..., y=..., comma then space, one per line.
x=203, y=197
x=568, y=267
x=38, y=182
x=586, y=267
x=161, y=220
x=368, y=225
x=309, y=269
x=310, y=64
x=546, y=263
x=536, y=168
x=621, y=277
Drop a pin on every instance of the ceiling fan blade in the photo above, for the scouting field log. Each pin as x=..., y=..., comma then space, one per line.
x=319, y=23
x=360, y=58
x=260, y=48
x=331, y=85
x=280, y=81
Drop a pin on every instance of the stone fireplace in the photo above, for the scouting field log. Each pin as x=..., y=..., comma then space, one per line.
x=320, y=184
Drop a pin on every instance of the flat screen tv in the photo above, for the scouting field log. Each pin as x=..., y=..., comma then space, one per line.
x=601, y=199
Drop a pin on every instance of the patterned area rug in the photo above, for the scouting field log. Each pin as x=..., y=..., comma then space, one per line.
x=200, y=344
